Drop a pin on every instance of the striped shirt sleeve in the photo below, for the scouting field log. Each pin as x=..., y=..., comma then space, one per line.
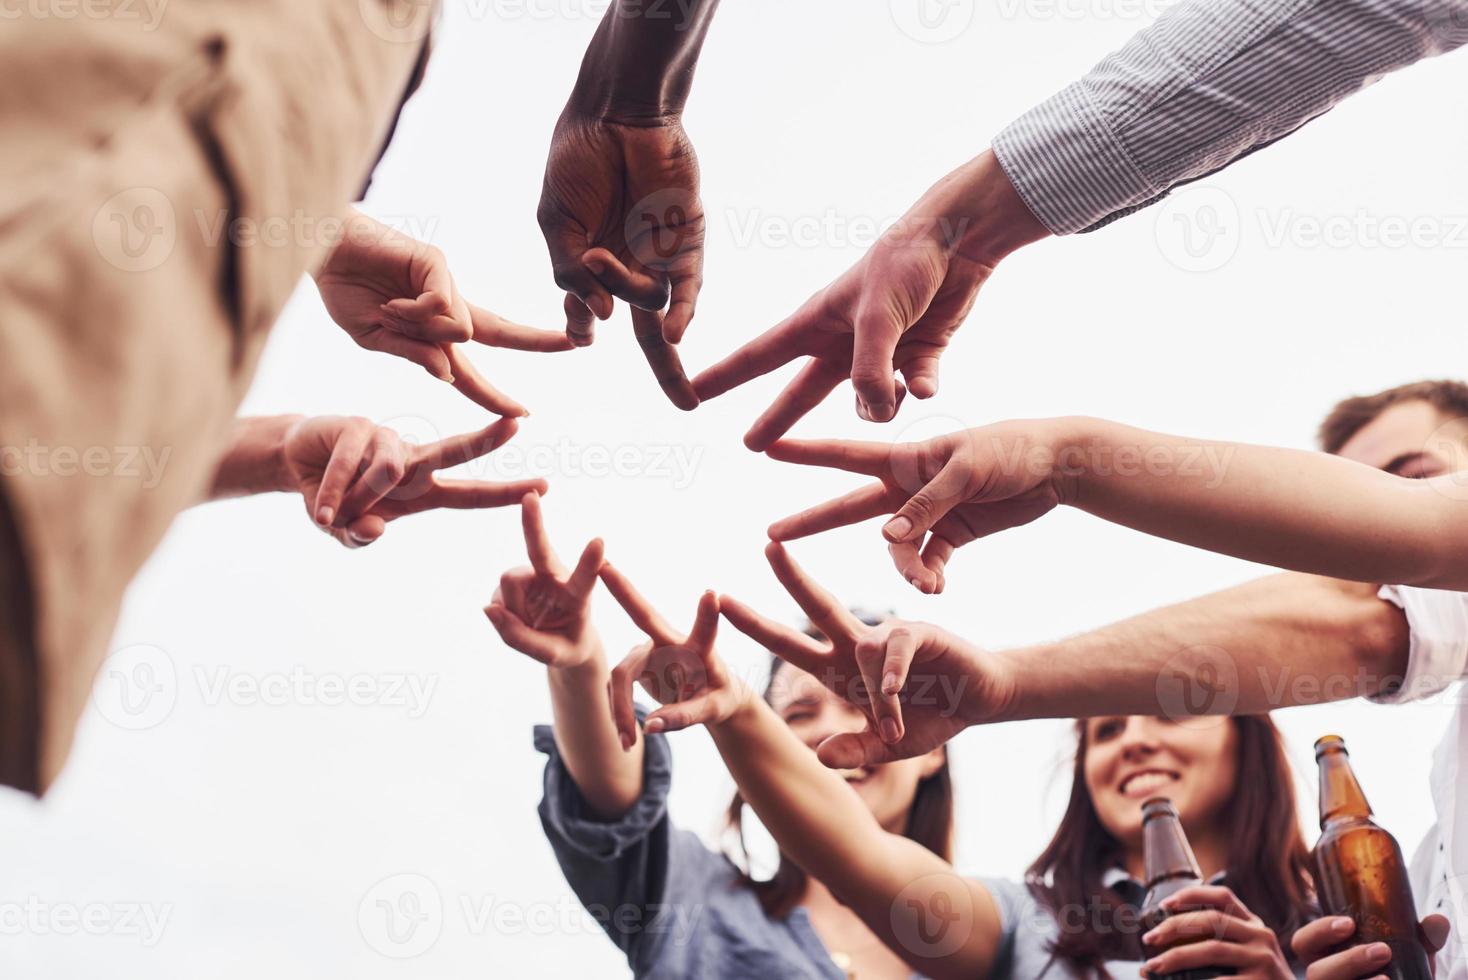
x=1209, y=82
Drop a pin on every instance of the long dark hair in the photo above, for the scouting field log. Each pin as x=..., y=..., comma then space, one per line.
x=1268, y=863
x=929, y=823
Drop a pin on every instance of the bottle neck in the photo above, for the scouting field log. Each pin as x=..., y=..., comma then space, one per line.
x=1340, y=794
x=1166, y=854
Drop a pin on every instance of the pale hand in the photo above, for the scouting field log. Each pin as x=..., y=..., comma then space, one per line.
x=356, y=477
x=1209, y=927
x=544, y=611
x=1324, y=946
x=394, y=294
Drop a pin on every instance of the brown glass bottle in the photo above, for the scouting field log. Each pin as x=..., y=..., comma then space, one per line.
x=1170, y=867
x=1359, y=871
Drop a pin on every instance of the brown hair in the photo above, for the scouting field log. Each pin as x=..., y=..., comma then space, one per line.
x=1355, y=413
x=1268, y=863
x=929, y=823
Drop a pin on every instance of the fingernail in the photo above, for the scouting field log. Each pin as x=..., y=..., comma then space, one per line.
x=596, y=265
x=882, y=412
x=1151, y=965
x=889, y=684
x=889, y=730
x=1378, y=951
x=496, y=616
x=653, y=726
x=359, y=539
x=898, y=528
x=626, y=742
x=324, y=516
x=1147, y=937
x=1341, y=926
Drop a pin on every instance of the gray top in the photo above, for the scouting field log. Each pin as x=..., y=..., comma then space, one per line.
x=1209, y=82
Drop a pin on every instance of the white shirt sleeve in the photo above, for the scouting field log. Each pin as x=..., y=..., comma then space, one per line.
x=1438, y=655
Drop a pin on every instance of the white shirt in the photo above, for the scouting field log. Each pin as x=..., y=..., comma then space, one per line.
x=1438, y=658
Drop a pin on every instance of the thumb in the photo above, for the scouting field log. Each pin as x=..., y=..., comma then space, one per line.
x=431, y=357
x=872, y=373
x=1435, y=929
x=930, y=504
x=850, y=750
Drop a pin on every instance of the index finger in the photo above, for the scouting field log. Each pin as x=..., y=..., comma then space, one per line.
x=776, y=347
x=537, y=545
x=1315, y=939
x=867, y=458
x=790, y=645
x=1212, y=897
x=663, y=358
x=494, y=330
x=460, y=449
x=643, y=614
x=475, y=387
x=825, y=612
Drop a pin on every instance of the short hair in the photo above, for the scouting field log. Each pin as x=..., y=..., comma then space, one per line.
x=1355, y=413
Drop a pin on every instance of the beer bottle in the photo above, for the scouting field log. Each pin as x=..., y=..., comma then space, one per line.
x=1170, y=867
x=1359, y=871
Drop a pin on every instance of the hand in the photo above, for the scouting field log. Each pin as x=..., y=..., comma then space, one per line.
x=682, y=672
x=622, y=218
x=394, y=294
x=908, y=712
x=356, y=477
x=943, y=493
x=1321, y=945
x=894, y=311
x=1209, y=926
x=544, y=611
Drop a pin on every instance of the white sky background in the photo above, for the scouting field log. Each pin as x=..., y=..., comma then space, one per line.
x=260, y=829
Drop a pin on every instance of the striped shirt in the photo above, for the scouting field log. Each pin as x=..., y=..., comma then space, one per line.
x=1209, y=82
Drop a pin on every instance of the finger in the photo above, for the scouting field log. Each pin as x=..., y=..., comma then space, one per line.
x=867, y=458
x=930, y=504
x=518, y=636
x=935, y=555
x=778, y=346
x=1188, y=927
x=1435, y=929
x=885, y=709
x=663, y=358
x=583, y=577
x=809, y=388
x=878, y=328
x=1218, y=897
x=705, y=625
x=870, y=501
x=864, y=412
x=897, y=656
x=619, y=693
x=466, y=495
x=683, y=303
x=908, y=559
x=639, y=289
x=639, y=609
x=1195, y=956
x=577, y=279
x=684, y=714
x=537, y=543
x=790, y=645
x=341, y=470
x=1316, y=938
x=363, y=531
x=580, y=322
x=430, y=357
x=1349, y=964
x=387, y=462
x=460, y=449
x=472, y=385
x=921, y=373
x=852, y=750
x=429, y=317
x=493, y=330
x=825, y=611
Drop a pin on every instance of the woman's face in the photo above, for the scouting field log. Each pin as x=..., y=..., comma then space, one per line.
x=814, y=714
x=1130, y=759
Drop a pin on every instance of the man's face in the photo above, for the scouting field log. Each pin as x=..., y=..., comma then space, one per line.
x=1411, y=439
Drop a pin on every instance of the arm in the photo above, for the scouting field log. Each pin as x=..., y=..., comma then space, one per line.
x=544, y=612
x=640, y=63
x=895, y=885
x=1207, y=83
x=1304, y=511
x=255, y=460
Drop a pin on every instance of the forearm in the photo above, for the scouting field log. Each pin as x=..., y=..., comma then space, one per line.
x=609, y=778
x=1209, y=82
x=255, y=460
x=640, y=63
x=821, y=824
x=1303, y=511
x=1275, y=642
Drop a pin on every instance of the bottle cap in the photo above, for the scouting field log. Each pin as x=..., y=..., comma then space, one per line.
x=1329, y=743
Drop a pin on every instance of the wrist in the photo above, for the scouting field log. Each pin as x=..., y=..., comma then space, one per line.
x=638, y=69
x=1071, y=443
x=984, y=215
x=587, y=670
x=744, y=713
x=256, y=459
